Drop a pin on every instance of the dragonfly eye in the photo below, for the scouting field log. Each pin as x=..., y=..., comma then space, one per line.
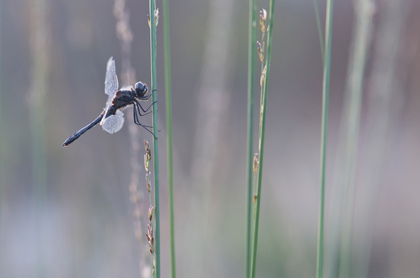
x=141, y=88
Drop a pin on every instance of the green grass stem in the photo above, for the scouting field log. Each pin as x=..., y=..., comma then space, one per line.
x=261, y=139
x=318, y=25
x=2, y=189
x=250, y=128
x=152, y=8
x=351, y=121
x=167, y=48
x=324, y=125
x=382, y=120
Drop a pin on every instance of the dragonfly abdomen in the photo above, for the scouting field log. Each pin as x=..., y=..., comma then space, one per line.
x=83, y=130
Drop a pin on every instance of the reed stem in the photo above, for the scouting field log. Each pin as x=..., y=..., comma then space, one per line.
x=250, y=121
x=167, y=48
x=152, y=9
x=325, y=95
x=261, y=138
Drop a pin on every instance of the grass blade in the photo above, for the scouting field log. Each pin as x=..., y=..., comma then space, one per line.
x=2, y=185
x=325, y=94
x=250, y=121
x=351, y=118
x=152, y=9
x=318, y=25
x=382, y=119
x=261, y=139
x=167, y=48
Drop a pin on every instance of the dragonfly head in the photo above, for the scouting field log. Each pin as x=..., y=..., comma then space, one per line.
x=141, y=89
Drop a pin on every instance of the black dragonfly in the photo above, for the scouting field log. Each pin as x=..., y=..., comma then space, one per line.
x=112, y=118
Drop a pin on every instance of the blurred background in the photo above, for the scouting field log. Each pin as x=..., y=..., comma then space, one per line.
x=66, y=212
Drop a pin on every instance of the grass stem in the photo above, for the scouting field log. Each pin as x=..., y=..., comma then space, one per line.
x=167, y=48
x=318, y=25
x=325, y=95
x=382, y=120
x=153, y=18
x=261, y=139
x=351, y=118
x=250, y=129
x=2, y=185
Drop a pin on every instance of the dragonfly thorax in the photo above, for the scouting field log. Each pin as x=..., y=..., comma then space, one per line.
x=123, y=98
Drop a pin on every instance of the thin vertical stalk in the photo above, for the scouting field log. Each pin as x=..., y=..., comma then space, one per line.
x=346, y=156
x=1, y=152
x=250, y=121
x=152, y=8
x=381, y=119
x=212, y=103
x=351, y=118
x=318, y=25
x=324, y=125
x=261, y=139
x=167, y=48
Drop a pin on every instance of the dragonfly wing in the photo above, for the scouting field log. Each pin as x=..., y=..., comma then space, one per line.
x=113, y=123
x=111, y=85
x=111, y=79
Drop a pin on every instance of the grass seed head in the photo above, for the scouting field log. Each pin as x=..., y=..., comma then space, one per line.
x=262, y=79
x=263, y=18
x=156, y=17
x=256, y=163
x=260, y=52
x=150, y=214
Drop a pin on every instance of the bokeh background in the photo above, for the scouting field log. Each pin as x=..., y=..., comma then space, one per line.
x=66, y=212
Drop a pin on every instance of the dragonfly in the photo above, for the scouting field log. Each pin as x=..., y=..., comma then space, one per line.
x=112, y=118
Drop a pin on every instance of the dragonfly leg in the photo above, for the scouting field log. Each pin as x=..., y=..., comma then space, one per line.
x=140, y=108
x=146, y=97
x=137, y=115
x=151, y=105
x=144, y=110
x=137, y=121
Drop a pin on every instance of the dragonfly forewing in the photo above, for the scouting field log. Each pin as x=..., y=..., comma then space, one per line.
x=111, y=79
x=111, y=84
